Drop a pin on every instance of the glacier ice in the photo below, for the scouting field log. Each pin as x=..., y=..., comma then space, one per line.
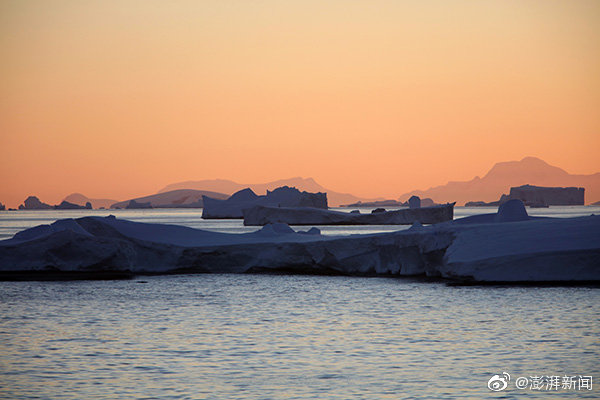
x=488, y=250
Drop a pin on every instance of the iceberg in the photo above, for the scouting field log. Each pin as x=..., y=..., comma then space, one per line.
x=65, y=205
x=33, y=203
x=284, y=196
x=262, y=215
x=539, y=250
x=506, y=247
x=108, y=244
x=551, y=196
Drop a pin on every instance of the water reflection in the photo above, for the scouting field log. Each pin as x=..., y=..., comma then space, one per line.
x=253, y=336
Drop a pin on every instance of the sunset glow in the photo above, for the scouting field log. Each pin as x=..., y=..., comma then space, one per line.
x=377, y=98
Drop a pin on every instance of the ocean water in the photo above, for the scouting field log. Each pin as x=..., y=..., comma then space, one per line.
x=12, y=222
x=288, y=337
x=291, y=337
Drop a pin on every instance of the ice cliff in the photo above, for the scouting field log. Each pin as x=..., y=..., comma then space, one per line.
x=262, y=215
x=551, y=196
x=284, y=196
x=508, y=246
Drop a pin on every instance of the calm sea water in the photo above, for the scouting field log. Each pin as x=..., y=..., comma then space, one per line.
x=287, y=337
x=290, y=337
x=12, y=222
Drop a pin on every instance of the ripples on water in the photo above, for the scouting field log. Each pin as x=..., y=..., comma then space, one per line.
x=289, y=337
x=12, y=222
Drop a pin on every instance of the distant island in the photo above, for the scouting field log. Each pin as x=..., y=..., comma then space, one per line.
x=389, y=203
x=503, y=176
x=180, y=198
x=33, y=203
x=485, y=191
x=334, y=199
x=82, y=200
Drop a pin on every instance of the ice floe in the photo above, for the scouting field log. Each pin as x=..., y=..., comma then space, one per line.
x=503, y=247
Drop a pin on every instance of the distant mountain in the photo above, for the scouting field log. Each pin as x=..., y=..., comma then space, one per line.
x=229, y=187
x=79, y=199
x=180, y=198
x=504, y=175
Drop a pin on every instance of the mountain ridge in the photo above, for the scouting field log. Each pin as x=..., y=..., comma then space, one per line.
x=506, y=174
x=229, y=187
x=80, y=199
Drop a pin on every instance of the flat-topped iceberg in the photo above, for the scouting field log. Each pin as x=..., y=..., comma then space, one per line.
x=509, y=248
x=544, y=250
x=110, y=244
x=284, y=196
x=262, y=215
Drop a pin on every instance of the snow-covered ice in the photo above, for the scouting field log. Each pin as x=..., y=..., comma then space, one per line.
x=504, y=247
x=561, y=249
x=96, y=243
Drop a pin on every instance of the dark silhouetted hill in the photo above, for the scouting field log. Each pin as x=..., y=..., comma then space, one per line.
x=181, y=198
x=81, y=200
x=229, y=187
x=504, y=175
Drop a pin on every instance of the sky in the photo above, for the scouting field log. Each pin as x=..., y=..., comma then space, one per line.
x=117, y=99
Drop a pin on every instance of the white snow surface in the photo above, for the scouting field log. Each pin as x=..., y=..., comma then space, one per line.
x=539, y=250
x=108, y=244
x=562, y=249
x=525, y=237
x=169, y=234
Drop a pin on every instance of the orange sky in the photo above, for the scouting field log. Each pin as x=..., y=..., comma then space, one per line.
x=119, y=98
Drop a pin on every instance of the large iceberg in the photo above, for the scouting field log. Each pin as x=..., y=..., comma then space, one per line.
x=544, y=250
x=550, y=196
x=509, y=247
x=284, y=196
x=261, y=215
x=33, y=203
x=96, y=244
